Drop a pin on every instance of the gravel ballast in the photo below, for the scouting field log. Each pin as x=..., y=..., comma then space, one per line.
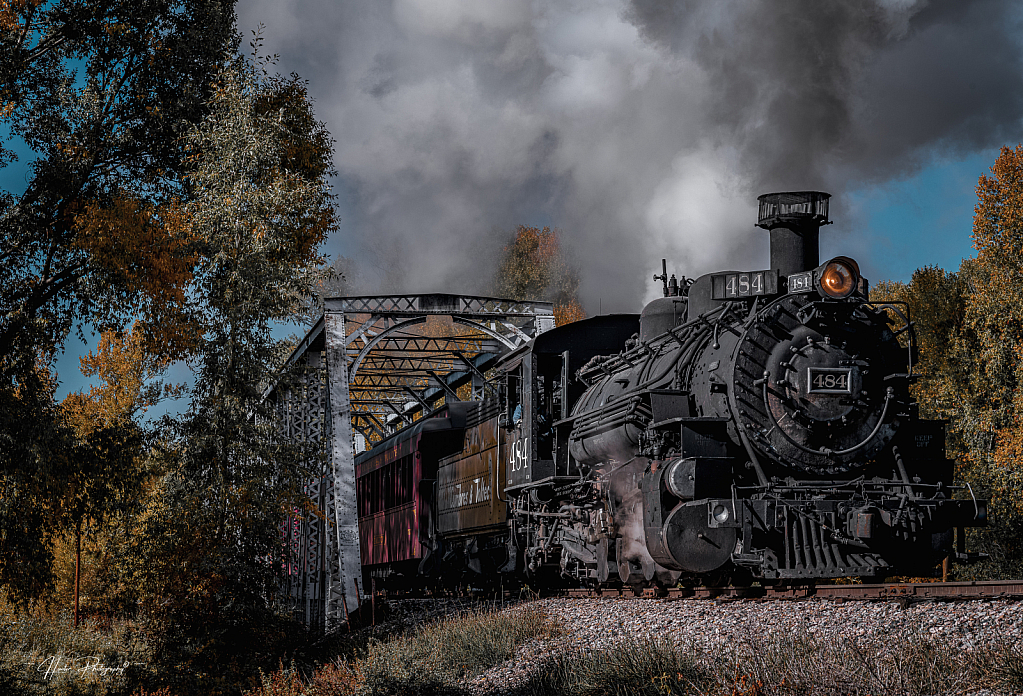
x=714, y=628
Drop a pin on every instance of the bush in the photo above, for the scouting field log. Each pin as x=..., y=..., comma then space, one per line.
x=914, y=665
x=1002, y=668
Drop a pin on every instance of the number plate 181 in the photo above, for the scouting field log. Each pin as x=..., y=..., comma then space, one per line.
x=829, y=380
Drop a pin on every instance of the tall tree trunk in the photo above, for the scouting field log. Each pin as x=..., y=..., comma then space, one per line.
x=78, y=565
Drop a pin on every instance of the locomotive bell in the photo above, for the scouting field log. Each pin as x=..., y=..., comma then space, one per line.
x=794, y=220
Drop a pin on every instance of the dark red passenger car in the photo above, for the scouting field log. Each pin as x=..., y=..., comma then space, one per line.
x=394, y=489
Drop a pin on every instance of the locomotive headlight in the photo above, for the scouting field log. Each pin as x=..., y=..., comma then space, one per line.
x=721, y=514
x=839, y=277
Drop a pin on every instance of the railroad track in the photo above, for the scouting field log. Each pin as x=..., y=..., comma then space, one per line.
x=902, y=592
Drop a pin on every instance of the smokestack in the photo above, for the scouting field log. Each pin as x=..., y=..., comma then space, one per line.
x=794, y=220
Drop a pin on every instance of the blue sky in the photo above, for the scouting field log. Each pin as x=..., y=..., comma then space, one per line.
x=924, y=220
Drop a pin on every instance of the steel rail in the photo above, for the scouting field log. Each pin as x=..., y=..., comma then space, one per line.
x=904, y=593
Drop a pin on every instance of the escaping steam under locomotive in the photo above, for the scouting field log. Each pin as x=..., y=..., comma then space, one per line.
x=748, y=425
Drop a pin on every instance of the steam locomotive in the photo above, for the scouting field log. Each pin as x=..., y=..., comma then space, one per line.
x=748, y=425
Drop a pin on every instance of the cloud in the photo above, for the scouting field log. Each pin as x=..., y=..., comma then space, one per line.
x=642, y=129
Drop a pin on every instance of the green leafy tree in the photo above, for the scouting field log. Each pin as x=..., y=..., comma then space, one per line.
x=339, y=278
x=203, y=556
x=937, y=302
x=33, y=481
x=101, y=92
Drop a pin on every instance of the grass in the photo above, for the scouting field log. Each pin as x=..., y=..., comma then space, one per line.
x=42, y=653
x=435, y=659
x=335, y=679
x=439, y=658
x=793, y=666
x=432, y=659
x=641, y=668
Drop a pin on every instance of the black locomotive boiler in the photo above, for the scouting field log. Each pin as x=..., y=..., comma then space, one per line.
x=747, y=425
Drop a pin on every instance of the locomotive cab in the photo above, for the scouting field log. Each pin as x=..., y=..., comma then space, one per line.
x=538, y=386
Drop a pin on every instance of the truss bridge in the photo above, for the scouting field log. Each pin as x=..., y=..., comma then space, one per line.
x=368, y=367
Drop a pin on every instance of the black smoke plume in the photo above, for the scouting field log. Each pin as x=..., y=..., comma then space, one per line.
x=642, y=129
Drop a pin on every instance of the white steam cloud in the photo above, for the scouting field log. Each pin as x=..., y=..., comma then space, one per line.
x=642, y=129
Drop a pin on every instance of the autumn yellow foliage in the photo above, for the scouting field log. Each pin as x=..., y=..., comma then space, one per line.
x=12, y=13
x=126, y=369
x=969, y=331
x=567, y=312
x=535, y=267
x=995, y=314
x=150, y=252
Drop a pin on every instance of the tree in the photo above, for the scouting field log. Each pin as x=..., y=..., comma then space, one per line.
x=534, y=267
x=969, y=327
x=338, y=279
x=129, y=383
x=90, y=471
x=992, y=413
x=32, y=480
x=106, y=416
x=203, y=558
x=936, y=301
x=101, y=92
